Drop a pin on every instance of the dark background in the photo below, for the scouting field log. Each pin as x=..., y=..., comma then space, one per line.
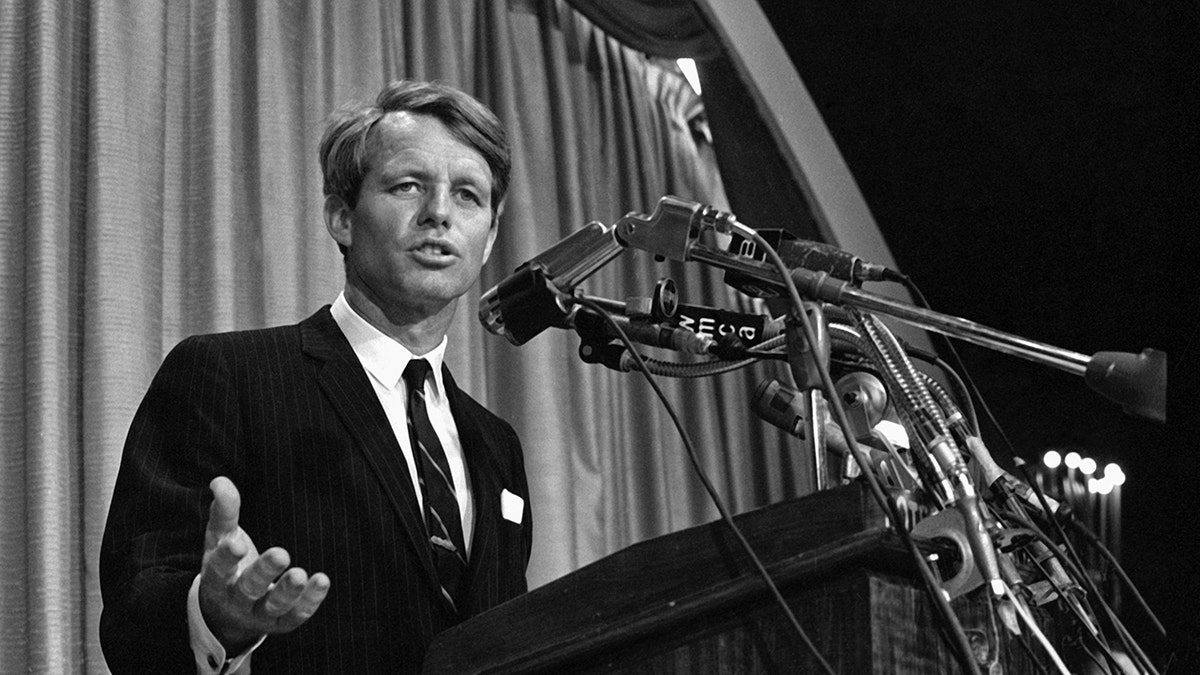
x=1033, y=167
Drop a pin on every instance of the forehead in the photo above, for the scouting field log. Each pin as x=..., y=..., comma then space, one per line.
x=404, y=140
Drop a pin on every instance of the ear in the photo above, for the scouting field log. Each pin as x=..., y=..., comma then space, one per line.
x=338, y=222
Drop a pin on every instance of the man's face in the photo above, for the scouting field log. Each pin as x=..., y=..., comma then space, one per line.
x=423, y=225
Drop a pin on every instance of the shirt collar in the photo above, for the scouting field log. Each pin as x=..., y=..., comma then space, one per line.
x=382, y=357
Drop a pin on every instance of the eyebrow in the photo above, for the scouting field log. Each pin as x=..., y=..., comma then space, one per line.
x=418, y=170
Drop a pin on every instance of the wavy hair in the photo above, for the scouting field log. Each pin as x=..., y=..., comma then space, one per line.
x=343, y=148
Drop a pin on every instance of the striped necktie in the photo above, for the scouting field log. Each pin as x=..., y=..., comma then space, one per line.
x=442, y=519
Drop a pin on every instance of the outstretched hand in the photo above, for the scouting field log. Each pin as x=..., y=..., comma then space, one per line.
x=244, y=595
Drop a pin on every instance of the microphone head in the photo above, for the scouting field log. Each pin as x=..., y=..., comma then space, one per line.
x=797, y=254
x=781, y=406
x=521, y=306
x=527, y=301
x=818, y=257
x=1138, y=382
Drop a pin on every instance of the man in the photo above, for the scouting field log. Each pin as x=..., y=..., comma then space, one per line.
x=258, y=455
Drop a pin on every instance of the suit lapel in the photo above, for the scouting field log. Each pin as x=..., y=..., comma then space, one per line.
x=345, y=383
x=481, y=461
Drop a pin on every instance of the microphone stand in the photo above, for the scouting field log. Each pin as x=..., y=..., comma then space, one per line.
x=1136, y=382
x=684, y=231
x=803, y=361
x=687, y=231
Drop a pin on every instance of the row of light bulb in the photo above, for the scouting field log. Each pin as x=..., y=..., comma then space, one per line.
x=1113, y=475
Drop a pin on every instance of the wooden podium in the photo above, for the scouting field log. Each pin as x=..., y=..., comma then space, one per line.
x=690, y=602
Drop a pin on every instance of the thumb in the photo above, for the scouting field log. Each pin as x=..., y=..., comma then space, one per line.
x=223, y=514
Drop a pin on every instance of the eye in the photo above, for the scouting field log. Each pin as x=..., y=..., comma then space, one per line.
x=469, y=195
x=406, y=186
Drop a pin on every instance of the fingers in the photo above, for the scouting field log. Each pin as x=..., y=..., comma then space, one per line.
x=224, y=548
x=223, y=513
x=287, y=590
x=292, y=600
x=256, y=580
x=221, y=563
x=295, y=597
x=242, y=593
x=249, y=585
x=265, y=597
x=306, y=603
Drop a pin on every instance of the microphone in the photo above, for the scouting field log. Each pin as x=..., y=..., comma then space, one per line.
x=1138, y=382
x=800, y=254
x=818, y=257
x=1002, y=482
x=595, y=328
x=532, y=298
x=783, y=407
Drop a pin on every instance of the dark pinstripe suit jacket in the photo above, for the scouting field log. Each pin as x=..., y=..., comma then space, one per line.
x=289, y=415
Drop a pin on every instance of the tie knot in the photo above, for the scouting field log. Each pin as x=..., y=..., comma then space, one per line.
x=415, y=373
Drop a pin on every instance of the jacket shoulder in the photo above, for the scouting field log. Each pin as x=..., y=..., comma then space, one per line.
x=274, y=339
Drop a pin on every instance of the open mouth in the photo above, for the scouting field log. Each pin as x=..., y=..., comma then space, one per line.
x=432, y=249
x=435, y=248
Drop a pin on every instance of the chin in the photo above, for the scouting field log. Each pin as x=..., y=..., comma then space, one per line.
x=432, y=295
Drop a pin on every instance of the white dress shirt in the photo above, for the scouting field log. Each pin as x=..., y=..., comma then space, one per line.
x=384, y=360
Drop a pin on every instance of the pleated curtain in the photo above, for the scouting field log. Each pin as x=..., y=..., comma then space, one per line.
x=159, y=178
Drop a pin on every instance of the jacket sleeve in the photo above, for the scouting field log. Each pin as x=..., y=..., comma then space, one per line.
x=184, y=433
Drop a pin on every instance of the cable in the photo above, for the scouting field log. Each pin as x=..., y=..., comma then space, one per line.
x=1116, y=566
x=964, y=651
x=1024, y=642
x=962, y=368
x=1081, y=576
x=1123, y=634
x=708, y=486
x=1023, y=612
x=687, y=370
x=695, y=370
x=961, y=392
x=1086, y=579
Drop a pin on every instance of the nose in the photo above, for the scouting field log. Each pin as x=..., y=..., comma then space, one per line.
x=436, y=211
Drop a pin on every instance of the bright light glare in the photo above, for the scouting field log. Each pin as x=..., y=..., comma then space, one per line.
x=1114, y=474
x=1052, y=459
x=688, y=66
x=1087, y=466
x=1072, y=460
x=893, y=432
x=1099, y=486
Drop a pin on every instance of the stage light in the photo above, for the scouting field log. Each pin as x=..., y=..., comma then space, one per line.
x=1052, y=459
x=1114, y=474
x=1087, y=466
x=1072, y=460
x=1099, y=486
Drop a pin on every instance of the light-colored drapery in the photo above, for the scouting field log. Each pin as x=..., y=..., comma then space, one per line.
x=159, y=179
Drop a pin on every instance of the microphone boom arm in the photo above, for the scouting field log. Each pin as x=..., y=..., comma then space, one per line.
x=684, y=231
x=1137, y=382
x=673, y=232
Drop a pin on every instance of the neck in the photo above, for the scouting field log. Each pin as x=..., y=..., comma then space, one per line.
x=418, y=330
